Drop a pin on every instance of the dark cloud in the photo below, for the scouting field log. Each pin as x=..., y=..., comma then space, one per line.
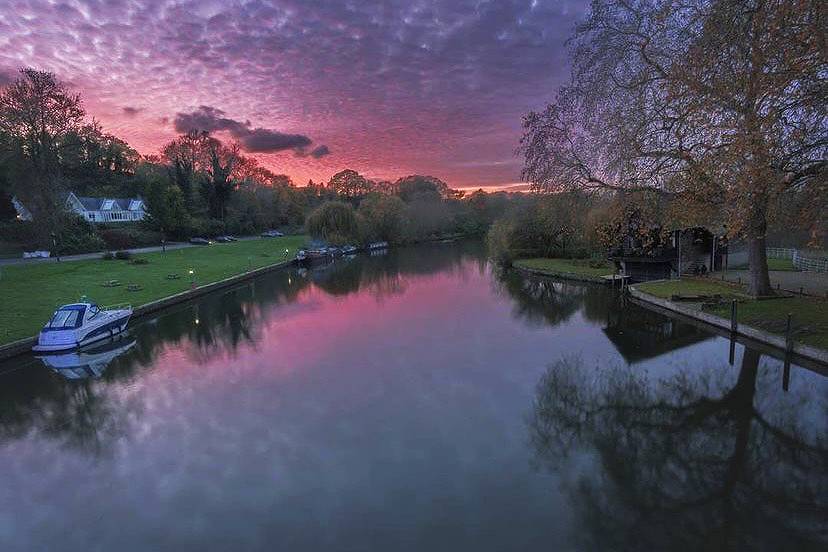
x=209, y=119
x=130, y=111
x=320, y=151
x=262, y=140
x=253, y=140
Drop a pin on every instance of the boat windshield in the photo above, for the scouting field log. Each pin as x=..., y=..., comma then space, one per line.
x=66, y=318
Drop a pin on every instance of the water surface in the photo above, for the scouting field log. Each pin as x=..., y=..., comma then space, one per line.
x=419, y=400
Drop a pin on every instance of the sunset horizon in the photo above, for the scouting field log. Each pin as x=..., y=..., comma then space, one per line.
x=390, y=91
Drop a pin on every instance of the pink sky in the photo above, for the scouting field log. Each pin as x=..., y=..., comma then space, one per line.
x=391, y=88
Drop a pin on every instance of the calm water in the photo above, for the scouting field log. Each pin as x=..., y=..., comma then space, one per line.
x=413, y=401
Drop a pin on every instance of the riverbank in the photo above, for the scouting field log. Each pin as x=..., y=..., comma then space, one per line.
x=30, y=293
x=760, y=319
x=570, y=269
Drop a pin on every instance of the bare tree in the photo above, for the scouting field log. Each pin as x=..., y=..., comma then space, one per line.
x=722, y=103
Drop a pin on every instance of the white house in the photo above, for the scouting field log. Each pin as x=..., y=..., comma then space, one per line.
x=97, y=210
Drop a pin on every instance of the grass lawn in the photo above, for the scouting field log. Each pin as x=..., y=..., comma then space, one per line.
x=31, y=292
x=564, y=266
x=785, y=265
x=810, y=314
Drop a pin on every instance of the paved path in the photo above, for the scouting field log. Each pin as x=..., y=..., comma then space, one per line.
x=87, y=256
x=812, y=283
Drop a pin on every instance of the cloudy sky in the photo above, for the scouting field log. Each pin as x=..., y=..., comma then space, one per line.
x=309, y=87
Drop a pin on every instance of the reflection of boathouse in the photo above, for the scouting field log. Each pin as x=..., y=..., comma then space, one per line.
x=640, y=334
x=645, y=256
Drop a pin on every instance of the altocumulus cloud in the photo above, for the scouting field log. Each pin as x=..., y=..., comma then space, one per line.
x=253, y=140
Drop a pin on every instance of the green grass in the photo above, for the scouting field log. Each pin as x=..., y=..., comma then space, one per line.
x=31, y=292
x=579, y=267
x=809, y=322
x=810, y=314
x=784, y=265
x=668, y=288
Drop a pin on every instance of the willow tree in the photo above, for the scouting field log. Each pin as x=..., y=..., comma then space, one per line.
x=720, y=104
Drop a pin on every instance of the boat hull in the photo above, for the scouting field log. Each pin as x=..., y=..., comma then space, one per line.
x=66, y=340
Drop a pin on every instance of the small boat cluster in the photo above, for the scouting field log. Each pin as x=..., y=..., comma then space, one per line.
x=324, y=252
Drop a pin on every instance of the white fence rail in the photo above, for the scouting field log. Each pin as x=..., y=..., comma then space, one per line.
x=781, y=252
x=804, y=261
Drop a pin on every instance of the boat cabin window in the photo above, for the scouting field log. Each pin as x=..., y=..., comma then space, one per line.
x=66, y=318
x=92, y=312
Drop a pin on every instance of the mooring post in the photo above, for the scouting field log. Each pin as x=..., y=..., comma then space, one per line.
x=732, y=332
x=786, y=372
x=788, y=335
x=801, y=291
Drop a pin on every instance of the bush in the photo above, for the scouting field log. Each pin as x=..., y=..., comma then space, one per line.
x=140, y=261
x=77, y=236
x=123, y=255
x=131, y=236
x=208, y=228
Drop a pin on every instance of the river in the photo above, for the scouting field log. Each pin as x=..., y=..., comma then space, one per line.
x=417, y=400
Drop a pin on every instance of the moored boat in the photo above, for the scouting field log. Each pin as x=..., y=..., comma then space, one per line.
x=79, y=324
x=378, y=245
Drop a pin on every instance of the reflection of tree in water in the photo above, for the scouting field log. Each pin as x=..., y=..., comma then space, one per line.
x=541, y=301
x=689, y=463
x=385, y=275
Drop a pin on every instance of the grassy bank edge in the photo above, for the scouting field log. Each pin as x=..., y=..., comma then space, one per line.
x=574, y=269
x=809, y=314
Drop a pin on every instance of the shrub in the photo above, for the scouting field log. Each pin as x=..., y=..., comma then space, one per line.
x=124, y=238
x=123, y=255
x=140, y=261
x=77, y=236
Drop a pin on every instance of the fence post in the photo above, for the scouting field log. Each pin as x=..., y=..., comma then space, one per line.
x=733, y=323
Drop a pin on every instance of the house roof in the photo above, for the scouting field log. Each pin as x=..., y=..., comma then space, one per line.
x=105, y=203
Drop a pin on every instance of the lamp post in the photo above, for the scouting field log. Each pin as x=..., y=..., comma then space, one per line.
x=54, y=245
x=192, y=279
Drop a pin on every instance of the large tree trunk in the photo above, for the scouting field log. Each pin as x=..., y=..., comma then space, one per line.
x=758, y=256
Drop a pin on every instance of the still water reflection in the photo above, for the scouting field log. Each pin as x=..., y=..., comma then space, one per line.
x=413, y=401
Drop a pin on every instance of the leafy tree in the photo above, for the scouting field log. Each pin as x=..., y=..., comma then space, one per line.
x=166, y=208
x=37, y=113
x=334, y=221
x=349, y=184
x=382, y=218
x=722, y=103
x=415, y=187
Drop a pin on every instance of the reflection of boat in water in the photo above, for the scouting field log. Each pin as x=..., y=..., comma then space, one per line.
x=80, y=324
x=89, y=361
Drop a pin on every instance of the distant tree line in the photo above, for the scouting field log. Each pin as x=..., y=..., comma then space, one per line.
x=196, y=185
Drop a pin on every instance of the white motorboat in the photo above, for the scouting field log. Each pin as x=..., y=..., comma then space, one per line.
x=80, y=324
x=90, y=361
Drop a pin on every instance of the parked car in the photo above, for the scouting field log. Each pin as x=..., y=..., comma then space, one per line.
x=226, y=239
x=271, y=234
x=200, y=241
